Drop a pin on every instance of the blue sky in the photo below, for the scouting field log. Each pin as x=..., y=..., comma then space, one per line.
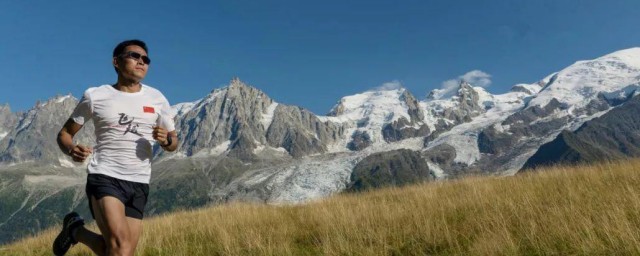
x=305, y=53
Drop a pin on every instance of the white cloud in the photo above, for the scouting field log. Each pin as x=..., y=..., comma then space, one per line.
x=450, y=85
x=477, y=78
x=474, y=77
x=388, y=86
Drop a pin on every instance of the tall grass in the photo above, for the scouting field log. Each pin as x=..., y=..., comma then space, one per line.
x=581, y=210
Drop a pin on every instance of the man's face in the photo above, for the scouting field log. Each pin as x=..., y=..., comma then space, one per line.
x=130, y=68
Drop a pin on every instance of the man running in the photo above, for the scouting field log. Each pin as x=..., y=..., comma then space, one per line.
x=129, y=117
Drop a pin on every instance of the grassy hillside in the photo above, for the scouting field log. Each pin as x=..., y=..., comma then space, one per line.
x=579, y=210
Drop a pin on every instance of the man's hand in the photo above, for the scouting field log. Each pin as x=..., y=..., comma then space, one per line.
x=168, y=140
x=160, y=135
x=79, y=153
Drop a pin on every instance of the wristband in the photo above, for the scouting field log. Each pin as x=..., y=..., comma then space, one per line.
x=169, y=141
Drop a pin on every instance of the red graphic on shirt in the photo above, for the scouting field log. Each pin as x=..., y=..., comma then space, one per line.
x=148, y=109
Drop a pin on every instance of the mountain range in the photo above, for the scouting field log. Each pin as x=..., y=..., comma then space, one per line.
x=238, y=144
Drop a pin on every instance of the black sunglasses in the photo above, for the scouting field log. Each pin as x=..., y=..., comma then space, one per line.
x=137, y=56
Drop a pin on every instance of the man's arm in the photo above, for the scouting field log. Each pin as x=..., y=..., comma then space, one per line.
x=65, y=141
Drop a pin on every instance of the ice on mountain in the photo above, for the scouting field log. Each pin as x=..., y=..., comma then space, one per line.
x=267, y=117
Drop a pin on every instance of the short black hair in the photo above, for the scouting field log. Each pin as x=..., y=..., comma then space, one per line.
x=119, y=50
x=120, y=47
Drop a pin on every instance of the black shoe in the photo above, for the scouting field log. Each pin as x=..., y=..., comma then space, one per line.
x=64, y=241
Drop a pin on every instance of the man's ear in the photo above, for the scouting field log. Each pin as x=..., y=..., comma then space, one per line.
x=115, y=63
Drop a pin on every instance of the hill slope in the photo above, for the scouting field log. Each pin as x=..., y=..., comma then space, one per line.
x=591, y=209
x=611, y=136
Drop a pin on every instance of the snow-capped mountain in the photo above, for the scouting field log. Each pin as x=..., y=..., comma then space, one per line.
x=614, y=76
x=463, y=130
x=570, y=97
x=377, y=117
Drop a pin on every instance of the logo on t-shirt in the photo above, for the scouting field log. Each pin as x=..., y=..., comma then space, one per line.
x=125, y=120
x=147, y=109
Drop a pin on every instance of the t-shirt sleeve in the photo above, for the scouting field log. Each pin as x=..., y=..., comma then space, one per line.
x=84, y=110
x=167, y=116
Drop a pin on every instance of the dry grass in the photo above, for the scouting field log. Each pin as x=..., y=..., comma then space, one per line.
x=563, y=211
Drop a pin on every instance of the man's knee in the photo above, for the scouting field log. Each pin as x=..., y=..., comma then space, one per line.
x=120, y=243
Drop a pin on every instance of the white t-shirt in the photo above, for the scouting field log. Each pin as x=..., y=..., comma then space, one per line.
x=124, y=125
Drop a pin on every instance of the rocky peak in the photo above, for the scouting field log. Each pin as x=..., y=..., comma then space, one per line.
x=404, y=128
x=300, y=132
x=33, y=136
x=530, y=89
x=239, y=118
x=461, y=107
x=226, y=115
x=413, y=106
x=464, y=90
x=338, y=109
x=464, y=87
x=7, y=120
x=431, y=96
x=469, y=99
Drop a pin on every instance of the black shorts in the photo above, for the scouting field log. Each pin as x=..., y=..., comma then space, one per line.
x=132, y=194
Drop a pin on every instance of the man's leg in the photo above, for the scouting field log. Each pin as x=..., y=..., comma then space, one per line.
x=94, y=241
x=110, y=217
x=135, y=228
x=134, y=210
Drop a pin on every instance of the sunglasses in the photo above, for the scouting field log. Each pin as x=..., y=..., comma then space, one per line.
x=137, y=56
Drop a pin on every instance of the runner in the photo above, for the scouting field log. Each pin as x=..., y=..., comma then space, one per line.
x=129, y=117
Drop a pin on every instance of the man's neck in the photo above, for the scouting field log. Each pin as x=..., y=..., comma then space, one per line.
x=127, y=86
